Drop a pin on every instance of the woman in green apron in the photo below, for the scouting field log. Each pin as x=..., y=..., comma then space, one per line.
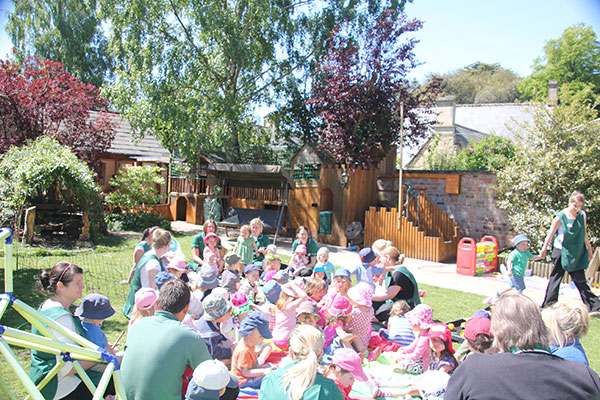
x=571, y=252
x=399, y=282
x=64, y=284
x=148, y=267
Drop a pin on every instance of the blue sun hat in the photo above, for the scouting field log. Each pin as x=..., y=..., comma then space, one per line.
x=520, y=238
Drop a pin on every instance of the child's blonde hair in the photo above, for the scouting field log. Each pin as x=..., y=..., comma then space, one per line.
x=257, y=221
x=137, y=313
x=322, y=251
x=306, y=346
x=380, y=244
x=566, y=323
x=399, y=308
x=284, y=300
x=314, y=285
x=268, y=263
x=245, y=229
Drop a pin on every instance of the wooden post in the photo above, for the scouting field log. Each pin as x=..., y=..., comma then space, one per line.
x=400, y=202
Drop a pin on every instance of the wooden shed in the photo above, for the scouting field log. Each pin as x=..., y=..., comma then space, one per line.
x=326, y=191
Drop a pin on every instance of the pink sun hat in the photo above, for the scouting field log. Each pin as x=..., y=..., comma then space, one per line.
x=210, y=235
x=340, y=306
x=421, y=316
x=178, y=263
x=145, y=298
x=361, y=294
x=300, y=249
x=348, y=360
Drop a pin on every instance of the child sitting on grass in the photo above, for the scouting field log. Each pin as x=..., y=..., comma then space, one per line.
x=285, y=317
x=244, y=363
x=399, y=329
x=414, y=359
x=440, y=342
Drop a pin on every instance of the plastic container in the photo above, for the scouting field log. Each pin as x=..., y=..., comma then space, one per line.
x=476, y=258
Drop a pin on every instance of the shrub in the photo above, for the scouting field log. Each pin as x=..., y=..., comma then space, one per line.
x=136, y=222
x=136, y=188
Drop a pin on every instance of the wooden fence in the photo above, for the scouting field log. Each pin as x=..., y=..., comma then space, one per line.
x=189, y=185
x=429, y=218
x=409, y=239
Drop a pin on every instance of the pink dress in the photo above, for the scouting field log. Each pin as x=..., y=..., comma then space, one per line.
x=285, y=322
x=418, y=349
x=360, y=324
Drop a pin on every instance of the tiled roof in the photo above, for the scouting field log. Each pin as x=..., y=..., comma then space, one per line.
x=126, y=144
x=494, y=119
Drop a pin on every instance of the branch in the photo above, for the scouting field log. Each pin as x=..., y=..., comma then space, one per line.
x=203, y=58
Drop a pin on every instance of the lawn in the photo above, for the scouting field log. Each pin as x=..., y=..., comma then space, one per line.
x=108, y=263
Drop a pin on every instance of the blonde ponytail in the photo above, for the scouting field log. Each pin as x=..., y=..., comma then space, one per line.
x=306, y=345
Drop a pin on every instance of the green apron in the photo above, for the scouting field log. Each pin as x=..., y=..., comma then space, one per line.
x=403, y=270
x=42, y=363
x=144, y=245
x=574, y=254
x=136, y=283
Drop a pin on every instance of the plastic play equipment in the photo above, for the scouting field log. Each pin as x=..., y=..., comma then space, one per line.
x=477, y=258
x=85, y=350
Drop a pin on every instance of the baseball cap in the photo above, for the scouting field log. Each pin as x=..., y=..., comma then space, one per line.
x=95, y=306
x=281, y=276
x=255, y=319
x=212, y=375
x=348, y=360
x=477, y=325
x=215, y=306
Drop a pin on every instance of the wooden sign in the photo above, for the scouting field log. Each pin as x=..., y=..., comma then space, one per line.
x=593, y=266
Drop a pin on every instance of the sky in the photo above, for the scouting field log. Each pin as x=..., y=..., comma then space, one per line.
x=457, y=33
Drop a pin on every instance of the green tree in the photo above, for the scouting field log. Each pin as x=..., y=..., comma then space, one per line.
x=69, y=32
x=136, y=188
x=573, y=60
x=42, y=166
x=194, y=72
x=481, y=83
x=559, y=155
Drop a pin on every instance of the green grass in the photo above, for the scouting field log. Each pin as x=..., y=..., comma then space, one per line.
x=110, y=262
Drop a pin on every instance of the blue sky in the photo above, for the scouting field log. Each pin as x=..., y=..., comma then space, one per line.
x=457, y=33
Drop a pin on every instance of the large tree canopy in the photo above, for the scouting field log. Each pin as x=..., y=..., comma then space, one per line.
x=194, y=72
x=559, y=155
x=573, y=60
x=363, y=95
x=69, y=32
x=481, y=83
x=40, y=98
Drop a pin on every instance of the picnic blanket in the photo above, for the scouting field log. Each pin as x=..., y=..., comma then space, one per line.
x=383, y=371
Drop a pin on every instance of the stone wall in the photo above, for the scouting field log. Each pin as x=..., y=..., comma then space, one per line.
x=474, y=209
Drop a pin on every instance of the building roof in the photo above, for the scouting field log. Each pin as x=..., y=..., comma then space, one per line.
x=494, y=119
x=147, y=148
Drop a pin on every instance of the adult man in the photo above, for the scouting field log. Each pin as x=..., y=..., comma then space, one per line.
x=159, y=348
x=524, y=368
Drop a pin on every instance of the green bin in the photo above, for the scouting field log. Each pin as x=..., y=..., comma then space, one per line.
x=325, y=222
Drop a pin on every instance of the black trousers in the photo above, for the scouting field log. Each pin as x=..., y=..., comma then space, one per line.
x=81, y=392
x=578, y=277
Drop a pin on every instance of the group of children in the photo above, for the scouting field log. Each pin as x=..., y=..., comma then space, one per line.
x=244, y=319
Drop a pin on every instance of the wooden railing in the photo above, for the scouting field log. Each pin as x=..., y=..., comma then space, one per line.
x=412, y=242
x=427, y=217
x=273, y=196
x=189, y=185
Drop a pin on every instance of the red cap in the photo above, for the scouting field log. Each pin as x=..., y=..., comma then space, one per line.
x=477, y=325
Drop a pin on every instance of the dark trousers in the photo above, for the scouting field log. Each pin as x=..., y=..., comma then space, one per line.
x=81, y=392
x=578, y=277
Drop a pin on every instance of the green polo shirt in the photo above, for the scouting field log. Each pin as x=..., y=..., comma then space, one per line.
x=322, y=389
x=157, y=350
x=261, y=241
x=519, y=261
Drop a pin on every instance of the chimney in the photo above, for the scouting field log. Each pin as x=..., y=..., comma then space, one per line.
x=446, y=111
x=553, y=91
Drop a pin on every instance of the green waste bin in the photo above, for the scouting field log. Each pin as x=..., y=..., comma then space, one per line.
x=325, y=222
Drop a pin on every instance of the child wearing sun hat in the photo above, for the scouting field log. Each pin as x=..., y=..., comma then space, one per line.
x=361, y=296
x=345, y=367
x=210, y=381
x=414, y=358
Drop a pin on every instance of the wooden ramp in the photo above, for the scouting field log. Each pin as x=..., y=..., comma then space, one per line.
x=428, y=234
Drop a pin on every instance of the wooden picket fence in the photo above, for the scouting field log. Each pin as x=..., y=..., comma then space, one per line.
x=413, y=241
x=544, y=269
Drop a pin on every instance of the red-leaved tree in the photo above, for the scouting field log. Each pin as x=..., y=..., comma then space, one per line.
x=41, y=98
x=360, y=86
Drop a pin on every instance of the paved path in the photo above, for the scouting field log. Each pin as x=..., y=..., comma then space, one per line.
x=431, y=273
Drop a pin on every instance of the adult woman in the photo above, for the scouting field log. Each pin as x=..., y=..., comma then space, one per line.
x=300, y=379
x=147, y=268
x=400, y=283
x=567, y=324
x=524, y=368
x=210, y=226
x=262, y=240
x=303, y=237
x=140, y=249
x=571, y=252
x=64, y=284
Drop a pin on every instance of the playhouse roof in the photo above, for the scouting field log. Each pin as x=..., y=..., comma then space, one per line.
x=253, y=175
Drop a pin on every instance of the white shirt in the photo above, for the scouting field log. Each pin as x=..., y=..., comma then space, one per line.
x=145, y=270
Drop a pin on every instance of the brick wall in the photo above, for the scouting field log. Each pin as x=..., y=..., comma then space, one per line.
x=474, y=209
